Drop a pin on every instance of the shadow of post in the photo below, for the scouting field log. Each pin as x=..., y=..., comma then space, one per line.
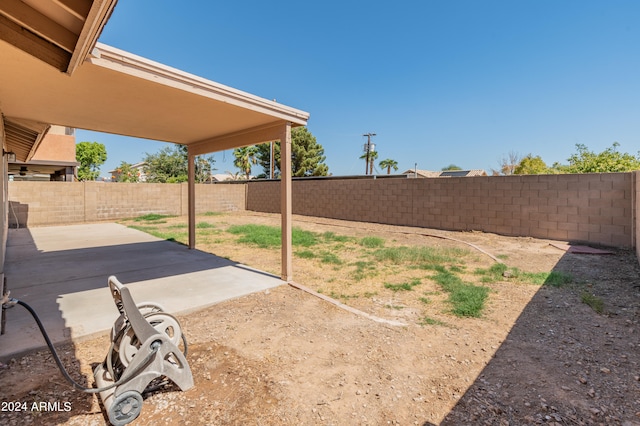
x=563, y=362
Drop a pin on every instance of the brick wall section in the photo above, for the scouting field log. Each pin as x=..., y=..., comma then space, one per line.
x=594, y=208
x=60, y=203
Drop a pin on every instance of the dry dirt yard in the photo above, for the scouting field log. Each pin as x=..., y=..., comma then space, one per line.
x=536, y=355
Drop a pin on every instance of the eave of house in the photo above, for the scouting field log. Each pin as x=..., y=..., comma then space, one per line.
x=117, y=92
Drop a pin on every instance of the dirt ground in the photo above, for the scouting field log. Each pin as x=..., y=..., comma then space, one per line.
x=537, y=355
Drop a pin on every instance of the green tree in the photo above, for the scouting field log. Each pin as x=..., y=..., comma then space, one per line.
x=90, y=155
x=245, y=157
x=531, y=165
x=609, y=160
x=451, y=167
x=126, y=173
x=307, y=155
x=170, y=165
x=388, y=164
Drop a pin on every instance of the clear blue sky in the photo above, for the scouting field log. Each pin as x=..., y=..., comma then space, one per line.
x=440, y=82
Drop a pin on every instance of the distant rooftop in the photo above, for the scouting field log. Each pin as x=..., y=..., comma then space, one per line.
x=445, y=173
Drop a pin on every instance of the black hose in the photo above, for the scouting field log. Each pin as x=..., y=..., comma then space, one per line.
x=125, y=378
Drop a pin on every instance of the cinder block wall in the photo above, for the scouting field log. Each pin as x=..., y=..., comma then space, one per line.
x=594, y=208
x=59, y=203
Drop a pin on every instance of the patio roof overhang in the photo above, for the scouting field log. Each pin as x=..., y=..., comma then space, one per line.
x=113, y=91
x=117, y=92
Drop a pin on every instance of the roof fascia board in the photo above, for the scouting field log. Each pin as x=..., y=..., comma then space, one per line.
x=255, y=135
x=128, y=63
x=95, y=21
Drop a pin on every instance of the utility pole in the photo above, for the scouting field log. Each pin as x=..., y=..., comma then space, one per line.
x=367, y=149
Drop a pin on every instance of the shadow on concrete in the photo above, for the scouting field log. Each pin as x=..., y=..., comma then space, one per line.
x=562, y=362
x=62, y=273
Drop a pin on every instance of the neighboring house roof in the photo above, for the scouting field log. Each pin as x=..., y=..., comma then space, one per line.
x=142, y=176
x=445, y=173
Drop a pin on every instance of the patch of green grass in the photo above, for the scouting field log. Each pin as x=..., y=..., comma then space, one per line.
x=557, y=279
x=418, y=255
x=305, y=254
x=431, y=321
x=396, y=307
x=425, y=300
x=403, y=286
x=270, y=236
x=332, y=237
x=335, y=295
x=467, y=300
x=502, y=256
x=363, y=270
x=497, y=272
x=152, y=217
x=212, y=214
x=328, y=257
x=372, y=242
x=370, y=293
x=593, y=301
x=203, y=225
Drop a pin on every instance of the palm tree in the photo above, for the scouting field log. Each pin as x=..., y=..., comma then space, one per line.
x=245, y=157
x=372, y=157
x=388, y=164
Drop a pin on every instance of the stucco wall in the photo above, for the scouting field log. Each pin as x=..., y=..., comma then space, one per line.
x=57, y=203
x=595, y=208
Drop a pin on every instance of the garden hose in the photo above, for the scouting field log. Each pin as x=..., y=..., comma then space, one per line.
x=125, y=378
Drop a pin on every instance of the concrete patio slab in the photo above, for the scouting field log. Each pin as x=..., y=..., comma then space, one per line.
x=62, y=272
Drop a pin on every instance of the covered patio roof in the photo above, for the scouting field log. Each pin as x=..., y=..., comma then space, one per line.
x=113, y=91
x=117, y=92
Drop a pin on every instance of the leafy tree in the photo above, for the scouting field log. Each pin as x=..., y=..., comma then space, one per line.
x=307, y=155
x=245, y=157
x=531, y=165
x=609, y=160
x=126, y=173
x=90, y=155
x=170, y=165
x=451, y=167
x=388, y=164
